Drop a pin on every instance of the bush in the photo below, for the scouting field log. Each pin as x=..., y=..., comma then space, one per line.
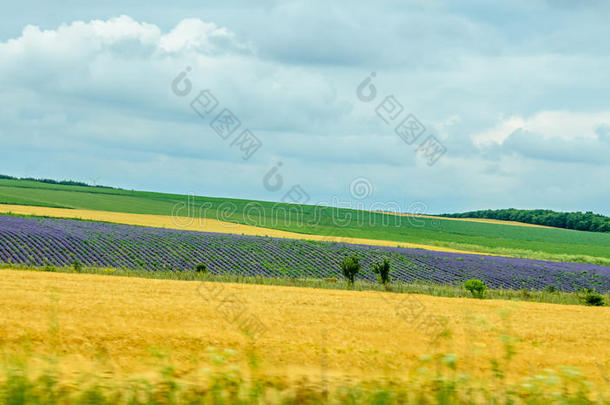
x=350, y=267
x=594, y=299
x=476, y=287
x=383, y=271
x=76, y=266
x=201, y=268
x=526, y=294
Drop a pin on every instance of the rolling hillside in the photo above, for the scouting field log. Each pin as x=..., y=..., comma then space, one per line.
x=495, y=238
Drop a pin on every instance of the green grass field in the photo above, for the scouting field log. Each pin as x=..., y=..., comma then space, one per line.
x=510, y=240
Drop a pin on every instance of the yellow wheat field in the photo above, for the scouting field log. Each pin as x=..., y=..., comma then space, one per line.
x=308, y=331
x=203, y=224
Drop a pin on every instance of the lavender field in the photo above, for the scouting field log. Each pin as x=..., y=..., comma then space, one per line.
x=43, y=241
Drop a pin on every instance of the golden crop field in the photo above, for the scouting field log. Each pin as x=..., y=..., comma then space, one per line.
x=203, y=225
x=308, y=331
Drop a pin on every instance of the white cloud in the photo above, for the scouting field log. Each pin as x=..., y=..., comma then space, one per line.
x=194, y=35
x=121, y=35
x=561, y=125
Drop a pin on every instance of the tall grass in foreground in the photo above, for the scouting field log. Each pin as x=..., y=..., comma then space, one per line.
x=440, y=377
x=438, y=290
x=437, y=379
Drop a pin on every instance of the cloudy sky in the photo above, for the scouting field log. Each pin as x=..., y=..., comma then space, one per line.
x=513, y=99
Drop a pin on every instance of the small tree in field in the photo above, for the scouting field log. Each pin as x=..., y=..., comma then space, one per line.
x=476, y=287
x=350, y=267
x=383, y=271
x=201, y=268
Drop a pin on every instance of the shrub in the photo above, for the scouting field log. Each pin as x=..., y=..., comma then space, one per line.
x=383, y=271
x=550, y=288
x=201, y=268
x=350, y=267
x=594, y=299
x=76, y=266
x=476, y=287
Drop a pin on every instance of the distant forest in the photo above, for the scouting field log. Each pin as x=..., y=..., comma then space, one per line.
x=582, y=221
x=49, y=181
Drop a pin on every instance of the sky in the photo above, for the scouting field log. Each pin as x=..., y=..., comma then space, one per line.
x=421, y=106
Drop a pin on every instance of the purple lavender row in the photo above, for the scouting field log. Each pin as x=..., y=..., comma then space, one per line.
x=43, y=241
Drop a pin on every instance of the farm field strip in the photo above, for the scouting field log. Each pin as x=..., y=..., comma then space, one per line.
x=203, y=225
x=360, y=333
x=60, y=242
x=363, y=226
x=480, y=220
x=109, y=191
x=13, y=193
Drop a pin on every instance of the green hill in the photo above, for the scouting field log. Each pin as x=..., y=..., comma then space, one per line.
x=512, y=240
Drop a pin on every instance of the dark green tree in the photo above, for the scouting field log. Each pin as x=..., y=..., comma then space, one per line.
x=382, y=269
x=350, y=267
x=476, y=287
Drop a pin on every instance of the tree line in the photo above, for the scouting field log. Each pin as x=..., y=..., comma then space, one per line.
x=50, y=181
x=582, y=221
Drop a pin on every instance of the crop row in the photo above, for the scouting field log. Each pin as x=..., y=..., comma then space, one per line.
x=45, y=241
